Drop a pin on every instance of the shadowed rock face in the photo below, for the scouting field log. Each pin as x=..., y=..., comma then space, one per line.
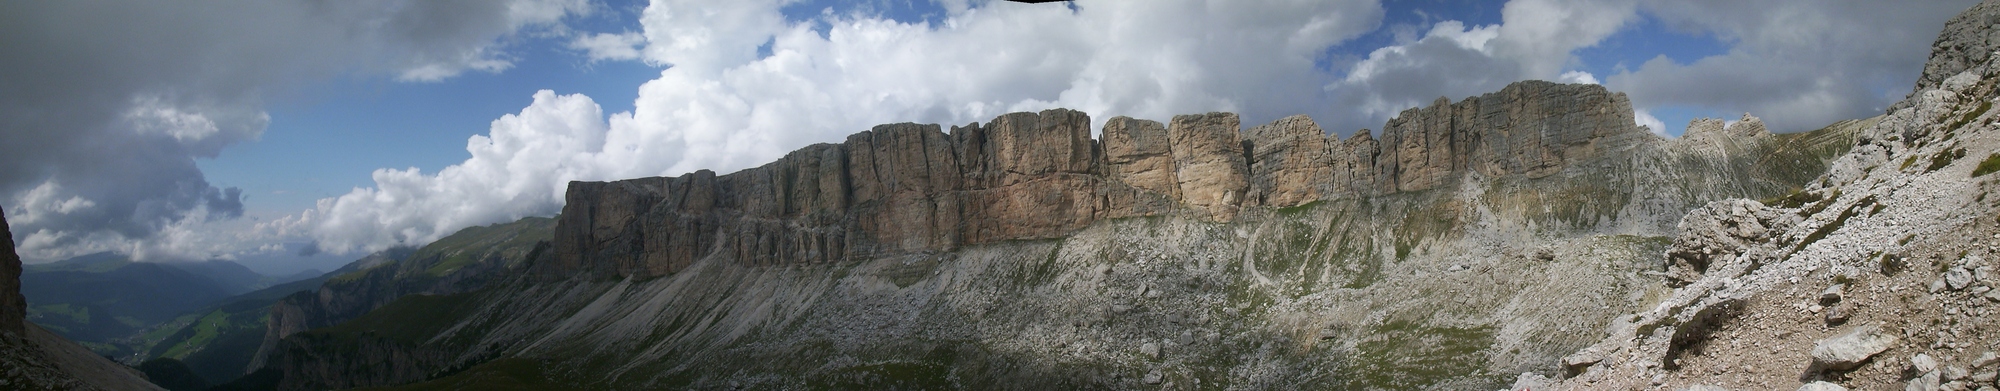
x=13, y=307
x=910, y=188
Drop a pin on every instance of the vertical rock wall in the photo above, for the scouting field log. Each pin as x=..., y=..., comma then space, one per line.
x=910, y=188
x=13, y=307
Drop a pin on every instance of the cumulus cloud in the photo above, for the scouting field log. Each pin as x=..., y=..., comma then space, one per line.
x=607, y=46
x=107, y=104
x=722, y=105
x=1798, y=65
x=1653, y=124
x=1534, y=40
x=743, y=85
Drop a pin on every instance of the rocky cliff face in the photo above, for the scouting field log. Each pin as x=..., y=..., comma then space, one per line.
x=13, y=307
x=908, y=188
x=1464, y=243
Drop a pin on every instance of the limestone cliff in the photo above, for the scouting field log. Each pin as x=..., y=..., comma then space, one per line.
x=1464, y=243
x=908, y=188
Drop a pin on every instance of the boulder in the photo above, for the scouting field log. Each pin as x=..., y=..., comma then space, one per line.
x=1576, y=363
x=1821, y=386
x=1922, y=363
x=1850, y=349
x=1832, y=294
x=1928, y=381
x=1957, y=278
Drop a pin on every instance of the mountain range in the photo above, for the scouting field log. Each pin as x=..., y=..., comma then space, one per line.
x=1527, y=238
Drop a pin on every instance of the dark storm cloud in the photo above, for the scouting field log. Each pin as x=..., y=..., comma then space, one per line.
x=105, y=104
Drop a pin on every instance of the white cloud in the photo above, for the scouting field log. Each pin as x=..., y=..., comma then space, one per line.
x=607, y=46
x=101, y=140
x=43, y=202
x=1577, y=77
x=1652, y=124
x=1534, y=41
x=1798, y=65
x=721, y=106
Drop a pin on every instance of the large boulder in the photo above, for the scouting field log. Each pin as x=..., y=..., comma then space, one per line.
x=1850, y=349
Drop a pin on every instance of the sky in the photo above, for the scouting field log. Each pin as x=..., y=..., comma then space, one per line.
x=296, y=134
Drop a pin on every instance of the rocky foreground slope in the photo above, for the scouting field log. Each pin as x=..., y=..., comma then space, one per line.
x=1472, y=241
x=1879, y=275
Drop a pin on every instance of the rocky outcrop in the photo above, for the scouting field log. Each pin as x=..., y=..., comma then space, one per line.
x=1965, y=45
x=1140, y=153
x=1530, y=128
x=1721, y=232
x=1292, y=163
x=1210, y=164
x=910, y=188
x=13, y=307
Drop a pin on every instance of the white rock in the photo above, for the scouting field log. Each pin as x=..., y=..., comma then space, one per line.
x=1926, y=382
x=1984, y=376
x=1150, y=350
x=1152, y=377
x=1821, y=386
x=1922, y=363
x=1988, y=358
x=1530, y=381
x=1832, y=294
x=1954, y=373
x=1847, y=350
x=1957, y=278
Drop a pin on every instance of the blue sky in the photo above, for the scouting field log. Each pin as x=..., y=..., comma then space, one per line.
x=281, y=125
